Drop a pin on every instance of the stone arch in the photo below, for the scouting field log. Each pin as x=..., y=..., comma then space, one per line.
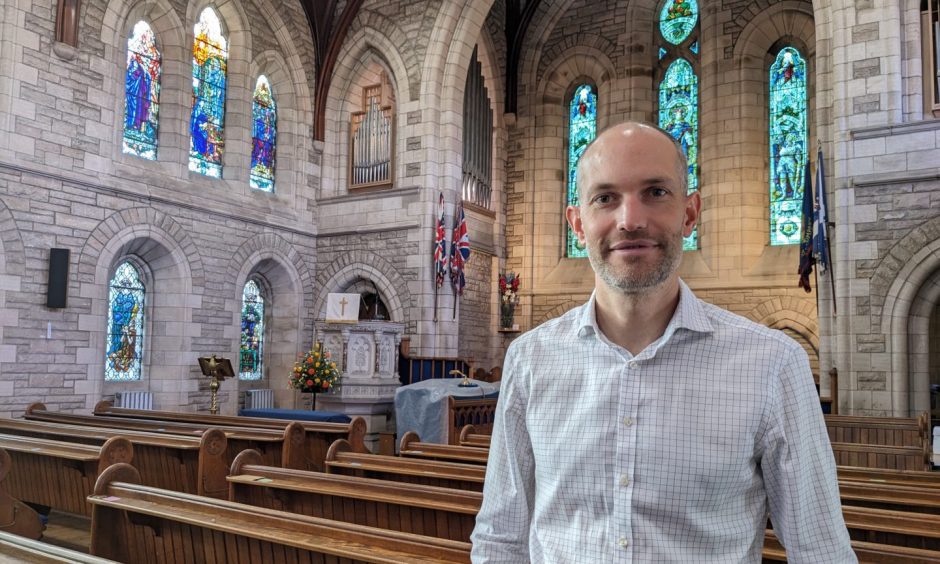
x=119, y=19
x=904, y=287
x=344, y=271
x=788, y=311
x=289, y=289
x=12, y=269
x=587, y=43
x=361, y=51
x=176, y=274
x=557, y=311
x=293, y=112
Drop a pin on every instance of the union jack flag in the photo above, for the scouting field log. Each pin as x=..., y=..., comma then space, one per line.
x=440, y=252
x=459, y=251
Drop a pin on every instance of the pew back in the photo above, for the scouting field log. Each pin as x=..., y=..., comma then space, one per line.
x=341, y=460
x=412, y=447
x=479, y=412
x=160, y=526
x=318, y=435
x=59, y=474
x=19, y=550
x=425, y=510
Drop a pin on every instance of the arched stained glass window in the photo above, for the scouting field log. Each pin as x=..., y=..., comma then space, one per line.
x=677, y=19
x=141, y=93
x=125, y=345
x=678, y=89
x=210, y=64
x=264, y=133
x=582, y=129
x=678, y=114
x=252, y=347
x=788, y=134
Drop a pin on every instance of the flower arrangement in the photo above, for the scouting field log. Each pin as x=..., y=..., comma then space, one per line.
x=509, y=288
x=314, y=372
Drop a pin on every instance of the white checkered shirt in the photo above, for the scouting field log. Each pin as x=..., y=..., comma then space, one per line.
x=674, y=455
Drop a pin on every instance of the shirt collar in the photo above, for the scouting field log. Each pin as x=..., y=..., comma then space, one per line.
x=690, y=314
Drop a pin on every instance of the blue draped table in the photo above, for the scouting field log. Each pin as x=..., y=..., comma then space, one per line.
x=298, y=415
x=422, y=407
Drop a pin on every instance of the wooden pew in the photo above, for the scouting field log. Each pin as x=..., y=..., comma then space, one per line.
x=884, y=526
x=15, y=516
x=889, y=431
x=882, y=456
x=318, y=436
x=279, y=448
x=479, y=412
x=867, y=552
x=161, y=526
x=397, y=506
x=59, y=474
x=890, y=496
x=899, y=443
x=412, y=447
x=470, y=437
x=20, y=550
x=340, y=459
x=188, y=464
x=882, y=476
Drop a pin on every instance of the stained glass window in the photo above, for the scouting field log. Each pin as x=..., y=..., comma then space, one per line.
x=677, y=19
x=788, y=130
x=125, y=345
x=252, y=347
x=141, y=93
x=210, y=63
x=678, y=114
x=264, y=132
x=582, y=129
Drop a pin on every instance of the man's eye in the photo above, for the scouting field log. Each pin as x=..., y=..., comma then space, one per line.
x=658, y=192
x=602, y=199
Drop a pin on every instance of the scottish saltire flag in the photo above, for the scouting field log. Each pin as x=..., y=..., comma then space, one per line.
x=821, y=238
x=440, y=252
x=459, y=251
x=806, y=238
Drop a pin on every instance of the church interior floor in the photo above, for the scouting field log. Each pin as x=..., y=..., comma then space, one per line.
x=68, y=531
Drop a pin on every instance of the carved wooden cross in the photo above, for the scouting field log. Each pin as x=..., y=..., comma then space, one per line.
x=343, y=303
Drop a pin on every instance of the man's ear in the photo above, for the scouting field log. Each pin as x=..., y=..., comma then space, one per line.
x=573, y=214
x=693, y=210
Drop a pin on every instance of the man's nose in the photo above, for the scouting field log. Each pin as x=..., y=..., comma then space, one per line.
x=631, y=215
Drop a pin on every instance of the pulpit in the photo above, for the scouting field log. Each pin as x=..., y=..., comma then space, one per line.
x=366, y=353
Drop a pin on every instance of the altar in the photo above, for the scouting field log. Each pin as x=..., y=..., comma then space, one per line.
x=366, y=354
x=422, y=407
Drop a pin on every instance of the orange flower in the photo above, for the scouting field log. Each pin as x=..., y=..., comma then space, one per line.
x=326, y=384
x=309, y=382
x=310, y=371
x=309, y=359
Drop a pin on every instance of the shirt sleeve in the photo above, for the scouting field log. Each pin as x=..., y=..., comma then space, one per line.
x=799, y=469
x=502, y=526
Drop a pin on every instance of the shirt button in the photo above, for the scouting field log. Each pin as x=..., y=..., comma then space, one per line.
x=628, y=421
x=623, y=542
x=624, y=481
x=633, y=364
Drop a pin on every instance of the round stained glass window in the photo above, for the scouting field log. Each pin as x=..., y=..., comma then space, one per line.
x=677, y=20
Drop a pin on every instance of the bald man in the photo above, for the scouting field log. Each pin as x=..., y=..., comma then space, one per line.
x=647, y=425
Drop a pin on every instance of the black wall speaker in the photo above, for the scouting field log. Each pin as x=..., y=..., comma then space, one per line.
x=58, y=291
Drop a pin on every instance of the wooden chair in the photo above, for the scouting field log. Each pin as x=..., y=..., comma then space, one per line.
x=479, y=412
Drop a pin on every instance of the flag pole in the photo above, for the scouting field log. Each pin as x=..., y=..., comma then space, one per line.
x=832, y=276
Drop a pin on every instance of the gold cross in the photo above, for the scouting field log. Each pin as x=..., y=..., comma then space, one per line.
x=343, y=303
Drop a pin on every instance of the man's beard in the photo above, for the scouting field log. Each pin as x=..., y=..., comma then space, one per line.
x=627, y=277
